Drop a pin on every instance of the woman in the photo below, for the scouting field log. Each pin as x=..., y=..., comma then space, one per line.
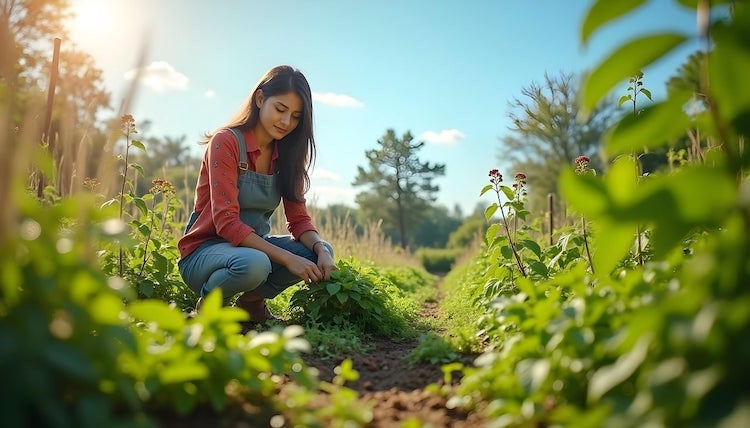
x=256, y=160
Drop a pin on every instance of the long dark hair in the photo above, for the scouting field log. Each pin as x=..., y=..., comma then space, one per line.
x=296, y=149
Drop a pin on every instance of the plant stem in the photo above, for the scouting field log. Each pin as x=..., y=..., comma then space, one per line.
x=510, y=238
x=586, y=243
x=122, y=191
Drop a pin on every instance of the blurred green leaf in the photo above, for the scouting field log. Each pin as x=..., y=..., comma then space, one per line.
x=532, y=373
x=585, y=193
x=70, y=360
x=183, y=371
x=608, y=377
x=612, y=242
x=652, y=128
x=624, y=62
x=158, y=312
x=106, y=309
x=729, y=64
x=621, y=182
x=604, y=11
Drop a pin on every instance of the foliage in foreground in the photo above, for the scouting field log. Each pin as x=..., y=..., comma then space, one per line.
x=652, y=331
x=79, y=350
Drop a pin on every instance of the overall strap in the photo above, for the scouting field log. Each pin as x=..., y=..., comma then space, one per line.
x=242, y=166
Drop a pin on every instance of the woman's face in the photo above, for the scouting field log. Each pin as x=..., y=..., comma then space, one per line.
x=279, y=114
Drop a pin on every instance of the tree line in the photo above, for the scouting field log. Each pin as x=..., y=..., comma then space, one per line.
x=396, y=187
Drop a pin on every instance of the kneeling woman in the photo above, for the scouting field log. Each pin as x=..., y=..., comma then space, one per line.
x=257, y=160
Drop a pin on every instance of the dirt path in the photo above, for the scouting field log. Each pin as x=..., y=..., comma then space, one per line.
x=396, y=389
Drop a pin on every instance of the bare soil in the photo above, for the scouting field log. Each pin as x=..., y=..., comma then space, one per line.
x=397, y=389
x=387, y=382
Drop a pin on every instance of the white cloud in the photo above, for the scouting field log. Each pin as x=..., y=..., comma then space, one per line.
x=159, y=76
x=209, y=94
x=324, y=174
x=445, y=137
x=336, y=100
x=323, y=196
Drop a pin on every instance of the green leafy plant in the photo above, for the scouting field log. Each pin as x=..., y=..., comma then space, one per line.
x=495, y=179
x=356, y=296
x=147, y=256
x=432, y=349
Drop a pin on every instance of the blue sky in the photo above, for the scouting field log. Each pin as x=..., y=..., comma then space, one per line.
x=443, y=70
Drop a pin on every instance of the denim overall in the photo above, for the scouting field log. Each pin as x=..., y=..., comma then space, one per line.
x=216, y=263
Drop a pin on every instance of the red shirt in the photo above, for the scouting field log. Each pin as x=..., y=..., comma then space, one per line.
x=217, y=203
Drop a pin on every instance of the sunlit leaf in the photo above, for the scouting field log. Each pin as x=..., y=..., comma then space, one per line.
x=604, y=11
x=585, y=193
x=138, y=144
x=608, y=377
x=486, y=189
x=531, y=373
x=158, y=312
x=621, y=181
x=611, y=244
x=106, y=308
x=490, y=211
x=183, y=371
x=623, y=99
x=624, y=62
x=508, y=192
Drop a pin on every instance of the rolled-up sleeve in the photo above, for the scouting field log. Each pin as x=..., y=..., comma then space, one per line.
x=222, y=160
x=297, y=219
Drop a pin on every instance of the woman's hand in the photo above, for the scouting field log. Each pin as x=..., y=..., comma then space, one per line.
x=305, y=269
x=325, y=262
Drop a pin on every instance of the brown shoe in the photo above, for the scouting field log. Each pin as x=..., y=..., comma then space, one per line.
x=255, y=305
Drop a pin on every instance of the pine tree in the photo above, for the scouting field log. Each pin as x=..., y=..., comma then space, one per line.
x=400, y=185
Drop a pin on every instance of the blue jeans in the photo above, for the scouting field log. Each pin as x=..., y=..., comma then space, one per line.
x=238, y=269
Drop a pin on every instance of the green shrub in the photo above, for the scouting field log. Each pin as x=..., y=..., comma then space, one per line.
x=359, y=296
x=438, y=260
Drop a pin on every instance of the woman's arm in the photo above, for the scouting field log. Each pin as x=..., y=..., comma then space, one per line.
x=314, y=242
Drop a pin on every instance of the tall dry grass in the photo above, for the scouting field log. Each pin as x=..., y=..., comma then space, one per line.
x=366, y=243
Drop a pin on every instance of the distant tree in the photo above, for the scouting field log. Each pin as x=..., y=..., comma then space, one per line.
x=400, y=185
x=688, y=77
x=436, y=227
x=546, y=134
x=31, y=26
x=467, y=231
x=27, y=32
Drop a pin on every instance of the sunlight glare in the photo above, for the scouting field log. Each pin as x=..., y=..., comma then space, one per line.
x=90, y=17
